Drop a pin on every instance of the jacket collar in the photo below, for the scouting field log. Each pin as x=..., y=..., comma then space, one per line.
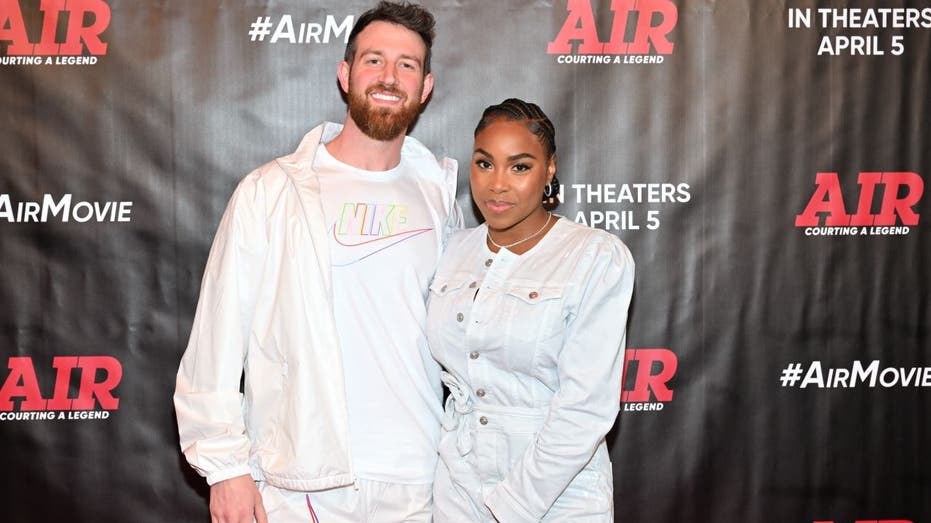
x=299, y=164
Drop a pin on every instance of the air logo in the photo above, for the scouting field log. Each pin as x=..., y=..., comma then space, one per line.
x=652, y=370
x=98, y=376
x=580, y=26
x=900, y=192
x=84, y=20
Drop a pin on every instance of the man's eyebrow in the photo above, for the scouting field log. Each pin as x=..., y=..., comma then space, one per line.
x=382, y=54
x=410, y=57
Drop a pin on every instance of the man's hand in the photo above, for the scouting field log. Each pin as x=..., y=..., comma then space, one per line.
x=236, y=500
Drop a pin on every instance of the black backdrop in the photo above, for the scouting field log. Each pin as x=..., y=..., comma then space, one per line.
x=778, y=357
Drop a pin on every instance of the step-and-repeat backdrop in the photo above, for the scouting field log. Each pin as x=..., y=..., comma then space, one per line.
x=764, y=160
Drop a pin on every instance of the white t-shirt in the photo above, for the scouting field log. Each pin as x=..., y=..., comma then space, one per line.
x=385, y=239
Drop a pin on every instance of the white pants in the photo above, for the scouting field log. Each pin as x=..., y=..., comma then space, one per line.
x=475, y=457
x=365, y=502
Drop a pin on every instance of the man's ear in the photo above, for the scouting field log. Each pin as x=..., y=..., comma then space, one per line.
x=342, y=73
x=427, y=87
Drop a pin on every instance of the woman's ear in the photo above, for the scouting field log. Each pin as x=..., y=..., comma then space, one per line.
x=551, y=168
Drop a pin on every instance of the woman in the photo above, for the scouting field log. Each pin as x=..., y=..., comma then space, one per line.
x=527, y=313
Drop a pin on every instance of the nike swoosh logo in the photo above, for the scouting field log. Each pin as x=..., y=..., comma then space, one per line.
x=396, y=239
x=404, y=235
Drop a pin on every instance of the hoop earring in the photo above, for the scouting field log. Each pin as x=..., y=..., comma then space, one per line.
x=551, y=190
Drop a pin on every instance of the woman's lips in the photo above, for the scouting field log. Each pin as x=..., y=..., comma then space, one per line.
x=498, y=206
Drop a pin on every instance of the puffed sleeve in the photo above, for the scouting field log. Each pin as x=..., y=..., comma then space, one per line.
x=584, y=408
x=207, y=399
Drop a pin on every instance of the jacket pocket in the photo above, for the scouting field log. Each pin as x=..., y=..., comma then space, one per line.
x=447, y=311
x=536, y=309
x=444, y=286
x=534, y=322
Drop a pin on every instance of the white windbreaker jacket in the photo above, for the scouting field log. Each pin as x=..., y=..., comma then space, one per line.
x=265, y=309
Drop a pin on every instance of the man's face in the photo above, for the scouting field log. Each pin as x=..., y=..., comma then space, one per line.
x=386, y=85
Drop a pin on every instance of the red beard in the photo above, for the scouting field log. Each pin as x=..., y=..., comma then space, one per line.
x=383, y=123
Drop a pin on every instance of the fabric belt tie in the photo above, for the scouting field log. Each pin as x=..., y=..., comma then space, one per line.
x=456, y=413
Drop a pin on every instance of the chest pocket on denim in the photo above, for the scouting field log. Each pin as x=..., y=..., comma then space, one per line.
x=447, y=312
x=535, y=322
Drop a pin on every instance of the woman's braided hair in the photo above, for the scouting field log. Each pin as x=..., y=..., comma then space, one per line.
x=534, y=118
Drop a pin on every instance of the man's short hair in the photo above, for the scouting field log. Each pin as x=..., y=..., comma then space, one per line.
x=410, y=16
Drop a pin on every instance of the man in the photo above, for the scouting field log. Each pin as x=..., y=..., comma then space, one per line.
x=313, y=302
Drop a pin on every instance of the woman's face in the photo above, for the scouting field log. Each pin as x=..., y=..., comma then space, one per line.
x=509, y=171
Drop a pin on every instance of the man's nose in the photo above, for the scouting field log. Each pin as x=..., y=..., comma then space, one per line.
x=389, y=75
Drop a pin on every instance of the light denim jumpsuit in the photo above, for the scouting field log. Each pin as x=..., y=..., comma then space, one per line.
x=533, y=349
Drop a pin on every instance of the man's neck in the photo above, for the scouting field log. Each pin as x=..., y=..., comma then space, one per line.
x=352, y=146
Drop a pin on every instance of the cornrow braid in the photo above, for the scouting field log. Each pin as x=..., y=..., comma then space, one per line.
x=515, y=109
